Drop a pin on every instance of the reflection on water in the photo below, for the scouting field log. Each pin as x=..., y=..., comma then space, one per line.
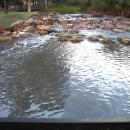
x=42, y=78
x=99, y=82
x=35, y=83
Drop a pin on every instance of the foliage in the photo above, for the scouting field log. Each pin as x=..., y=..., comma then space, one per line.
x=66, y=9
x=73, y=6
x=117, y=6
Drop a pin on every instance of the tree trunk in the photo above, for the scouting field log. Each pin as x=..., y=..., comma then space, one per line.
x=29, y=5
x=6, y=6
x=15, y=4
x=41, y=4
x=46, y=4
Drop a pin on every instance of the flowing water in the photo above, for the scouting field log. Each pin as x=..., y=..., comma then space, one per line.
x=43, y=78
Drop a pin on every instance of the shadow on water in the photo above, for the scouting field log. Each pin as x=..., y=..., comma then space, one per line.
x=39, y=83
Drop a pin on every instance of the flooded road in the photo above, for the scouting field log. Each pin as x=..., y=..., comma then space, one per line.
x=41, y=77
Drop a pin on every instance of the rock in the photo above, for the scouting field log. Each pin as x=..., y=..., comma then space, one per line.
x=107, y=41
x=93, y=39
x=65, y=38
x=57, y=28
x=83, y=28
x=62, y=21
x=28, y=22
x=43, y=28
x=73, y=31
x=37, y=22
x=75, y=39
x=125, y=41
x=15, y=34
x=48, y=29
x=6, y=33
x=23, y=34
x=19, y=22
x=118, y=30
x=27, y=29
x=89, y=22
x=11, y=29
x=96, y=38
x=71, y=38
x=5, y=38
x=69, y=25
x=18, y=29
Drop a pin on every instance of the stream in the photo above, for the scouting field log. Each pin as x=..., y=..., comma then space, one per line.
x=40, y=77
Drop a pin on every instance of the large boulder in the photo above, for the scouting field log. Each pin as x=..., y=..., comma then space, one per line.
x=15, y=34
x=125, y=41
x=65, y=38
x=75, y=39
x=28, y=22
x=108, y=41
x=6, y=33
x=62, y=21
x=43, y=28
x=95, y=38
x=37, y=22
x=71, y=38
x=23, y=34
x=27, y=29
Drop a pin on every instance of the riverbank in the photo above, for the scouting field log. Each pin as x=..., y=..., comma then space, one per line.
x=7, y=19
x=67, y=27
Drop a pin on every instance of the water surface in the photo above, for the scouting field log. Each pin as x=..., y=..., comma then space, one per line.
x=43, y=78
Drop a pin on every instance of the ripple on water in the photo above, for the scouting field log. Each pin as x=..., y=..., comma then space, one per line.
x=42, y=78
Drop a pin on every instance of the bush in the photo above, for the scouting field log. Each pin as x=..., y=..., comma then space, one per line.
x=66, y=9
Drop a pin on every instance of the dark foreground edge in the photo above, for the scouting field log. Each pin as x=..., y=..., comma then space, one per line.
x=63, y=124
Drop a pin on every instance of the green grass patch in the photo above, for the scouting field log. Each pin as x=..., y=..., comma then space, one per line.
x=66, y=9
x=7, y=19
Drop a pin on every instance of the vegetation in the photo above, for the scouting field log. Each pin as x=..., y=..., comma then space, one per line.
x=7, y=19
x=66, y=9
x=121, y=7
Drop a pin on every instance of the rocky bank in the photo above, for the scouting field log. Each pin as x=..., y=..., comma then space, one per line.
x=67, y=27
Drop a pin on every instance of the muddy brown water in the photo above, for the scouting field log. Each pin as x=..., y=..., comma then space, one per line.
x=43, y=78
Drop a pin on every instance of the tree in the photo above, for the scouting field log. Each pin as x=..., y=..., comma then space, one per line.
x=29, y=5
x=6, y=6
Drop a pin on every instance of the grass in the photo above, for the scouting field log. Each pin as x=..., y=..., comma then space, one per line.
x=7, y=19
x=66, y=9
